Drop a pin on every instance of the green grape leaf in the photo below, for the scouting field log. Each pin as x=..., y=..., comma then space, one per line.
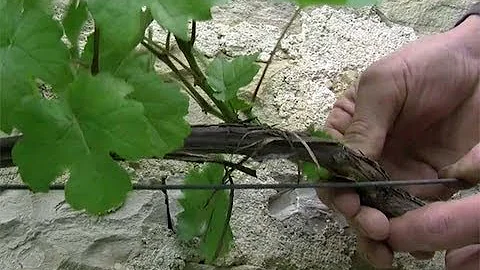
x=73, y=22
x=227, y=77
x=51, y=141
x=318, y=133
x=98, y=184
x=43, y=5
x=30, y=47
x=314, y=173
x=205, y=213
x=11, y=13
x=165, y=105
x=350, y=3
x=90, y=120
x=121, y=25
x=238, y=104
x=174, y=15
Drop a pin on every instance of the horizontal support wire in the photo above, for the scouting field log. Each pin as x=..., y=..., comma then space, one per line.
x=368, y=184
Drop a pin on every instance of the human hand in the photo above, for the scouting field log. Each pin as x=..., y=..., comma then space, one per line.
x=416, y=112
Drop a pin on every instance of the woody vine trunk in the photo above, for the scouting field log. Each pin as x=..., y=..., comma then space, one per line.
x=261, y=143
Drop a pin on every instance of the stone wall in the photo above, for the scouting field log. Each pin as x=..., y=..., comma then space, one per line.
x=426, y=16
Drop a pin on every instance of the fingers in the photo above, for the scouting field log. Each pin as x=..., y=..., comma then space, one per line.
x=439, y=226
x=372, y=223
x=379, y=98
x=373, y=226
x=467, y=168
x=341, y=114
x=346, y=202
x=376, y=253
x=467, y=258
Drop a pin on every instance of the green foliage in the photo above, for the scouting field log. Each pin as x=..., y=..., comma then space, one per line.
x=314, y=173
x=227, y=77
x=121, y=24
x=205, y=213
x=318, y=133
x=30, y=47
x=174, y=15
x=43, y=5
x=75, y=18
x=90, y=120
x=165, y=107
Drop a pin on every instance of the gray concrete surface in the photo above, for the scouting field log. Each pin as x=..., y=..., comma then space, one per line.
x=323, y=53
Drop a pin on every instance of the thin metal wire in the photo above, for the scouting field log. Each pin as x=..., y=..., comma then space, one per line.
x=368, y=184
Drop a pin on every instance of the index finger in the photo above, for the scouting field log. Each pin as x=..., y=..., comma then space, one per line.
x=439, y=226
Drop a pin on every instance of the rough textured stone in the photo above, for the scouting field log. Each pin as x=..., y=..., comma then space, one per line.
x=425, y=16
x=40, y=231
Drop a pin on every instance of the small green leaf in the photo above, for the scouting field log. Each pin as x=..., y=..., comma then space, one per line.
x=174, y=15
x=318, y=133
x=73, y=22
x=350, y=3
x=227, y=77
x=30, y=47
x=314, y=173
x=238, y=104
x=91, y=119
x=205, y=213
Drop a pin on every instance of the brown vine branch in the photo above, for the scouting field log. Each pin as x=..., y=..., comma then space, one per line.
x=263, y=143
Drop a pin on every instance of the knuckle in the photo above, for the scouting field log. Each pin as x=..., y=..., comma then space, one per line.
x=394, y=70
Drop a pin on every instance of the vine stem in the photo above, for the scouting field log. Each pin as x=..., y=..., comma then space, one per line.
x=167, y=52
x=95, y=68
x=228, y=216
x=206, y=107
x=272, y=53
x=186, y=47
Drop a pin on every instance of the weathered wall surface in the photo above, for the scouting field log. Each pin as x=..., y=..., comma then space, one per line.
x=321, y=55
x=426, y=16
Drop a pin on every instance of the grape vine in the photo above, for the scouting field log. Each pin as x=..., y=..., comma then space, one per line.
x=108, y=98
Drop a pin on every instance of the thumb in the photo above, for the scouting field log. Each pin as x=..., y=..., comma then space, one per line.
x=380, y=95
x=438, y=226
x=467, y=168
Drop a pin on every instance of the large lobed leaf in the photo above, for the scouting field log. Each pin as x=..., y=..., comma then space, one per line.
x=77, y=132
x=205, y=213
x=30, y=47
